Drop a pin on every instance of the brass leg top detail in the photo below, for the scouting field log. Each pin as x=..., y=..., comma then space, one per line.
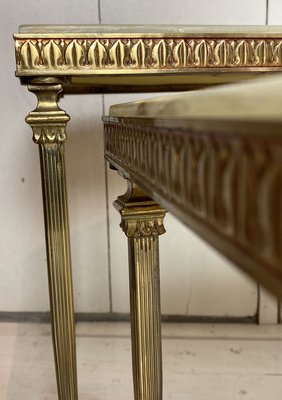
x=47, y=121
x=140, y=216
x=142, y=222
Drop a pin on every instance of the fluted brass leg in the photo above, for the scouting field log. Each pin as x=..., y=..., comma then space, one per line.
x=48, y=122
x=142, y=222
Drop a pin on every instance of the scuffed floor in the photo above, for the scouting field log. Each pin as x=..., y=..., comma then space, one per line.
x=201, y=362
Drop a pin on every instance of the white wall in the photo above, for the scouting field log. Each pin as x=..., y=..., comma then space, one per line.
x=195, y=279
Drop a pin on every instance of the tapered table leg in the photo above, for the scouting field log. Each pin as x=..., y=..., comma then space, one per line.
x=142, y=222
x=48, y=122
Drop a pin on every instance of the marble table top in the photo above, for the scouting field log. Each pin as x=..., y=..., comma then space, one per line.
x=117, y=58
x=256, y=100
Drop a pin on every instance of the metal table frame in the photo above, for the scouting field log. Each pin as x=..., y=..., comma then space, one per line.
x=57, y=60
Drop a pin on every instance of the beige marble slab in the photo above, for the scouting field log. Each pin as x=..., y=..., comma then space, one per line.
x=162, y=30
x=259, y=99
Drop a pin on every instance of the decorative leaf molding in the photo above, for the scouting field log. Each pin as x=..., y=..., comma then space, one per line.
x=137, y=227
x=231, y=183
x=65, y=55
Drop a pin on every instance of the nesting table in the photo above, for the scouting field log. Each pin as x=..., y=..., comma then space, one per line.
x=155, y=156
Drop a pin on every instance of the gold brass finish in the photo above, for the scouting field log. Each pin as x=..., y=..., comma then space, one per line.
x=48, y=123
x=89, y=55
x=142, y=222
x=219, y=177
x=125, y=52
x=236, y=173
x=151, y=57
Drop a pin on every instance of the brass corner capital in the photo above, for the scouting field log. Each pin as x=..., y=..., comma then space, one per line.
x=140, y=215
x=48, y=121
x=135, y=226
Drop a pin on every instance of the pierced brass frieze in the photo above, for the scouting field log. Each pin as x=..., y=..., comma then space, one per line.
x=103, y=55
x=226, y=185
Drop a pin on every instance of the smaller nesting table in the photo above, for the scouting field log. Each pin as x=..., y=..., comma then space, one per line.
x=214, y=159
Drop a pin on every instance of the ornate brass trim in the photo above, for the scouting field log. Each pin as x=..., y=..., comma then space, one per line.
x=127, y=54
x=224, y=182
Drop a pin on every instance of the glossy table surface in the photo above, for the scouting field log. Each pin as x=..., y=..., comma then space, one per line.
x=258, y=99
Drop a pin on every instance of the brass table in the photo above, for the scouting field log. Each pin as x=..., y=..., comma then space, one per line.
x=213, y=158
x=56, y=60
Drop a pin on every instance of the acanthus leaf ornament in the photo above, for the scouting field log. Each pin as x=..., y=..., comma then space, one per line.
x=170, y=53
x=227, y=182
x=135, y=227
x=48, y=121
x=49, y=134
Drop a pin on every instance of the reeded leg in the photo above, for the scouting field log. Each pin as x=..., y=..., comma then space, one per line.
x=48, y=122
x=142, y=222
